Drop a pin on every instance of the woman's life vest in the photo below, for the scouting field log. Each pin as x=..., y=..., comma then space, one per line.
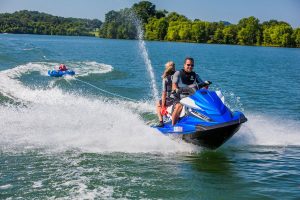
x=167, y=85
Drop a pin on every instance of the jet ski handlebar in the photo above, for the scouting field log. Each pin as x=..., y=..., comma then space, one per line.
x=203, y=84
x=191, y=89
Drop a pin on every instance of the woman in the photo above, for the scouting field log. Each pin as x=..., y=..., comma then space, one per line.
x=166, y=92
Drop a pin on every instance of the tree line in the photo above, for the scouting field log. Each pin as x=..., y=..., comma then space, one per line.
x=162, y=25
x=33, y=22
x=159, y=25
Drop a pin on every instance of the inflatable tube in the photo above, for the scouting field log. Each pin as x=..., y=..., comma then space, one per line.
x=56, y=73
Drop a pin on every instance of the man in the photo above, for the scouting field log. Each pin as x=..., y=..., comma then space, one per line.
x=183, y=78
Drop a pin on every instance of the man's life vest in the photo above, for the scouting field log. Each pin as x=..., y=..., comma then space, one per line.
x=188, y=78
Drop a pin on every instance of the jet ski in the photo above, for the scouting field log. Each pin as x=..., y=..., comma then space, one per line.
x=205, y=120
x=59, y=73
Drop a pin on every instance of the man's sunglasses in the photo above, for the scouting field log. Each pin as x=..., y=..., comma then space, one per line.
x=190, y=65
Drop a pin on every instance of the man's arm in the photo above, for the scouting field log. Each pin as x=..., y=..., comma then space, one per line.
x=198, y=79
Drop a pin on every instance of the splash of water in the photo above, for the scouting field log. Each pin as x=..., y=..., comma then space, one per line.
x=145, y=55
x=56, y=120
x=94, y=125
x=267, y=130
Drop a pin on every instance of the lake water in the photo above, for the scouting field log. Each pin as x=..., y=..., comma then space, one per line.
x=65, y=138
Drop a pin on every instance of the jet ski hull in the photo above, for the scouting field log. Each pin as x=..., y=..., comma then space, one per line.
x=210, y=136
x=214, y=136
x=206, y=121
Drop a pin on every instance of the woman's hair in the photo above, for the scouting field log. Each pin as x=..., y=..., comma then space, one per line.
x=170, y=68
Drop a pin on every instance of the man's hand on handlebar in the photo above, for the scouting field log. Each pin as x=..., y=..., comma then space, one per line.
x=207, y=82
x=190, y=89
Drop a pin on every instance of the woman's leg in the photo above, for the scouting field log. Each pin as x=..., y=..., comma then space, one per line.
x=158, y=111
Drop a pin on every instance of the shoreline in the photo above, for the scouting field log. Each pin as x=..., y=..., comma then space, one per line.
x=91, y=36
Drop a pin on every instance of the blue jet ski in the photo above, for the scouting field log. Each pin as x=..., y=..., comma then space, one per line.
x=59, y=73
x=204, y=120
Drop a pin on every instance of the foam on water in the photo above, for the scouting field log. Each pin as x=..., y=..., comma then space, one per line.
x=4, y=187
x=74, y=122
x=80, y=68
x=89, y=67
x=268, y=130
x=57, y=120
x=37, y=184
x=61, y=121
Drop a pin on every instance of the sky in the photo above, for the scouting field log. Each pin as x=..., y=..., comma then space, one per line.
x=206, y=10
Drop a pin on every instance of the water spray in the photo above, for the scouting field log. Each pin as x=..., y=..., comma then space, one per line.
x=144, y=52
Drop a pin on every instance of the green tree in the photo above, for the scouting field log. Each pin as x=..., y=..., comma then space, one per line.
x=249, y=31
x=156, y=29
x=230, y=34
x=173, y=17
x=151, y=29
x=278, y=35
x=179, y=27
x=161, y=13
x=198, y=32
x=210, y=29
x=118, y=25
x=157, y=25
x=111, y=31
x=144, y=10
x=296, y=37
x=33, y=22
x=218, y=36
x=172, y=32
x=184, y=31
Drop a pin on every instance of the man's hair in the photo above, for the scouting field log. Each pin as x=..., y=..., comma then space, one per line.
x=188, y=58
